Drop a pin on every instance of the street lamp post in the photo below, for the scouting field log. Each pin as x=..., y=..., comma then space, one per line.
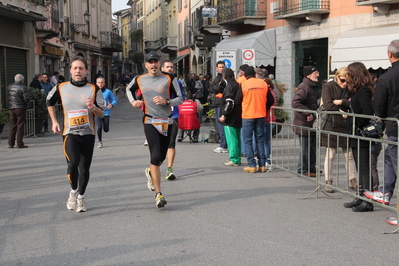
x=86, y=16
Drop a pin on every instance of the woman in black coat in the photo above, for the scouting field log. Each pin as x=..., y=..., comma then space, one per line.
x=361, y=85
x=335, y=97
x=230, y=116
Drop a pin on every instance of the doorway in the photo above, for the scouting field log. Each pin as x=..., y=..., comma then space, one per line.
x=311, y=52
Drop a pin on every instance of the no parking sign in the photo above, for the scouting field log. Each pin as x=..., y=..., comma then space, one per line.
x=248, y=57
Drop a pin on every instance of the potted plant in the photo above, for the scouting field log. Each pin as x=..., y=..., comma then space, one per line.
x=4, y=117
x=38, y=102
x=136, y=35
x=281, y=115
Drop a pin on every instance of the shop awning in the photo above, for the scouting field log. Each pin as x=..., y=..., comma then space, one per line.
x=264, y=43
x=179, y=58
x=367, y=45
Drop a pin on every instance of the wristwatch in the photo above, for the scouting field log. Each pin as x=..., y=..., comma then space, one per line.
x=94, y=108
x=167, y=102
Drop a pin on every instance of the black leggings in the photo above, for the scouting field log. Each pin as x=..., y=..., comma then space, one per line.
x=78, y=151
x=157, y=143
x=100, y=122
x=173, y=133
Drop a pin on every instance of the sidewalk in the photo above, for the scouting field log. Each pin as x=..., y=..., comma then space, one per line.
x=215, y=215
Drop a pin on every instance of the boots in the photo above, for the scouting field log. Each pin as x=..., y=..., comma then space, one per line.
x=354, y=203
x=365, y=206
x=353, y=183
x=328, y=189
x=249, y=169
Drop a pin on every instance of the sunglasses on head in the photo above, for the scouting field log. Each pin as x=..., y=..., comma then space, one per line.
x=342, y=80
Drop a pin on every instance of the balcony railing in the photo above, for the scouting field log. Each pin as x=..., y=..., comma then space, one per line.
x=169, y=44
x=377, y=1
x=288, y=7
x=52, y=24
x=152, y=45
x=239, y=9
x=380, y=6
x=110, y=41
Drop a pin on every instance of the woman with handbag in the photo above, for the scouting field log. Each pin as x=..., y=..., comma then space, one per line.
x=360, y=83
x=335, y=96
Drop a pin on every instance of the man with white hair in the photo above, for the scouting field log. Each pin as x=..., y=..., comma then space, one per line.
x=18, y=98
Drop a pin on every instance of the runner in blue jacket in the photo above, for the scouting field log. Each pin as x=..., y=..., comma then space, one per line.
x=109, y=102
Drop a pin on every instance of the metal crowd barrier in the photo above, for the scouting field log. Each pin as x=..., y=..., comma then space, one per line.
x=30, y=125
x=286, y=149
x=29, y=129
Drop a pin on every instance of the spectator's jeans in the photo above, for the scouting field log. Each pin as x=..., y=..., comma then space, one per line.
x=243, y=146
x=223, y=143
x=249, y=127
x=307, y=156
x=390, y=167
x=268, y=135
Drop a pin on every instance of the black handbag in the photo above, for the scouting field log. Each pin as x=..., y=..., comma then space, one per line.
x=373, y=130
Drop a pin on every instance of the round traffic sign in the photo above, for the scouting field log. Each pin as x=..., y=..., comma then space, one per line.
x=227, y=63
x=248, y=55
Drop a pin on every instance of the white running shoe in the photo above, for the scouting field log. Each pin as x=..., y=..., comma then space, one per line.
x=393, y=221
x=230, y=163
x=81, y=205
x=100, y=145
x=145, y=143
x=71, y=203
x=150, y=185
x=160, y=201
x=220, y=150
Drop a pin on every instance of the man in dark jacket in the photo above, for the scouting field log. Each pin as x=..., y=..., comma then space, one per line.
x=217, y=88
x=18, y=98
x=36, y=82
x=306, y=98
x=231, y=110
x=386, y=104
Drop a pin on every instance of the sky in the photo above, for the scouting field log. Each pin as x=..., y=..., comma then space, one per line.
x=119, y=4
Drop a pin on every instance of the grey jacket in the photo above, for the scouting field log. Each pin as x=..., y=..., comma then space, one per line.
x=18, y=96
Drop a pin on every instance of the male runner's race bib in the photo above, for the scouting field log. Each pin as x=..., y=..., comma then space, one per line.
x=78, y=119
x=161, y=124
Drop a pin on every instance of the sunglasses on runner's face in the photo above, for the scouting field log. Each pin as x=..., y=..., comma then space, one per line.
x=342, y=80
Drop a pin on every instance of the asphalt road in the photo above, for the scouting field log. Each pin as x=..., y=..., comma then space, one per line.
x=215, y=215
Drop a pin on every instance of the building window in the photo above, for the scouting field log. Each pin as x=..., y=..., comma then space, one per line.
x=186, y=33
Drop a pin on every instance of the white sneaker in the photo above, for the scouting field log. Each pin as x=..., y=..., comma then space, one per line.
x=269, y=166
x=230, y=163
x=150, y=185
x=160, y=201
x=81, y=205
x=71, y=203
x=100, y=145
x=220, y=150
x=145, y=143
x=393, y=221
